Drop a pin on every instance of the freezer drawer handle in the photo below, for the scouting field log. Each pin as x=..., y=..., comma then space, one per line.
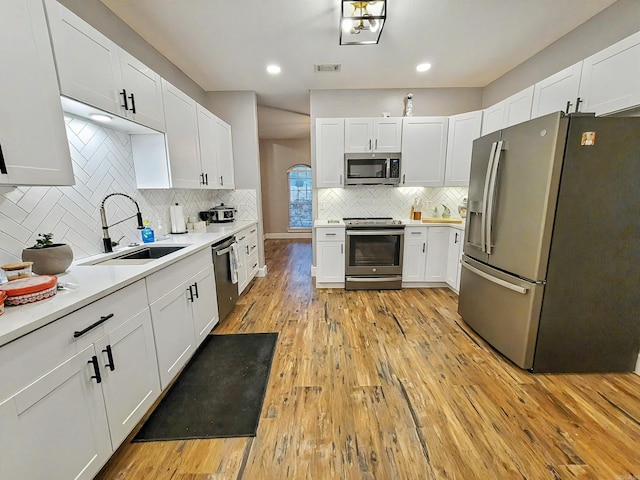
x=491, y=278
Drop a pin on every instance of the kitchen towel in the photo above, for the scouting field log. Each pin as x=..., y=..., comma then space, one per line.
x=178, y=224
x=234, y=262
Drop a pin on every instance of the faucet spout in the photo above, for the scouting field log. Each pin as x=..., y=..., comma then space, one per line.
x=106, y=239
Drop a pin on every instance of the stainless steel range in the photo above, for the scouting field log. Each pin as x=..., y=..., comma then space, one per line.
x=373, y=259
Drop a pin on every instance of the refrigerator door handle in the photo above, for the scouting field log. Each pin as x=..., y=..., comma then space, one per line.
x=485, y=196
x=497, y=281
x=491, y=197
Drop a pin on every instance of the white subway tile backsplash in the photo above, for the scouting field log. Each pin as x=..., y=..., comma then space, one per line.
x=102, y=164
x=384, y=201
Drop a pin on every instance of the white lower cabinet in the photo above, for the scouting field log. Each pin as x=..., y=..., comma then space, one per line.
x=181, y=311
x=437, y=244
x=248, y=253
x=330, y=260
x=415, y=254
x=73, y=390
x=453, y=258
x=427, y=255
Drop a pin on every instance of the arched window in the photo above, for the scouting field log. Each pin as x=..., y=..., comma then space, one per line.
x=299, y=197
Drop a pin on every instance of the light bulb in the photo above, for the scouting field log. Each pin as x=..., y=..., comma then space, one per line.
x=423, y=67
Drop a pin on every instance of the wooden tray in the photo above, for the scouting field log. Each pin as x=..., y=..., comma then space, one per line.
x=441, y=220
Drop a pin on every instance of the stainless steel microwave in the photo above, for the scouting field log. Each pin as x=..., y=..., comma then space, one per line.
x=372, y=168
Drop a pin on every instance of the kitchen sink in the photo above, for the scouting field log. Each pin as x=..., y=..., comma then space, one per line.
x=140, y=256
x=151, y=253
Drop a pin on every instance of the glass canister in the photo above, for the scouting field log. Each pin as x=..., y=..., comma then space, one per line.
x=417, y=209
x=462, y=208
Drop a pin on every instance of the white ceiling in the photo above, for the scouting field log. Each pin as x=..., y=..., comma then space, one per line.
x=227, y=44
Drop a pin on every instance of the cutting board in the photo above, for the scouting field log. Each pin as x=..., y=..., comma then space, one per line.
x=441, y=220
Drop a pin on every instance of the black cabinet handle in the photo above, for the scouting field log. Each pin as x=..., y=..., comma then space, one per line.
x=424, y=247
x=111, y=365
x=221, y=182
x=191, y=293
x=3, y=165
x=133, y=103
x=206, y=179
x=124, y=98
x=77, y=334
x=96, y=369
x=195, y=288
x=247, y=247
x=456, y=241
x=254, y=265
x=202, y=179
x=578, y=102
x=568, y=106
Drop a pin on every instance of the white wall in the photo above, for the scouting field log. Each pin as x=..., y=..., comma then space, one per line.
x=276, y=157
x=240, y=110
x=608, y=27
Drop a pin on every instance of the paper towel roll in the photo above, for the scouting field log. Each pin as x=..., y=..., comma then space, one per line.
x=178, y=224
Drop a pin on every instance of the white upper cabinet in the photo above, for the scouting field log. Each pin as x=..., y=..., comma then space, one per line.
x=142, y=88
x=517, y=108
x=559, y=92
x=382, y=135
x=611, y=78
x=424, y=146
x=329, y=152
x=208, y=147
x=225, y=176
x=492, y=118
x=463, y=130
x=182, y=137
x=33, y=142
x=94, y=70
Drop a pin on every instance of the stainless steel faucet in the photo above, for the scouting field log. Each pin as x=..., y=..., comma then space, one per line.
x=106, y=239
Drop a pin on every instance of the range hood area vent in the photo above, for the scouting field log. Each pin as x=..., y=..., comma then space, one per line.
x=327, y=67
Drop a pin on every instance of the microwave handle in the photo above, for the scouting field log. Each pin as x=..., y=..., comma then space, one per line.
x=388, y=167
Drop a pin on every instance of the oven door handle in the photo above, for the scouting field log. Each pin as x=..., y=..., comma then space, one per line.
x=392, y=278
x=375, y=232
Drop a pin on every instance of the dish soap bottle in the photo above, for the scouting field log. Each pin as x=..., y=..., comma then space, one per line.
x=147, y=232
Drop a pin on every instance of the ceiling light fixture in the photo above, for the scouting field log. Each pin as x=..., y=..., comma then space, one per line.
x=423, y=67
x=361, y=22
x=273, y=69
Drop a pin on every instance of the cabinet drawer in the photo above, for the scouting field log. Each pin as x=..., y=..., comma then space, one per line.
x=162, y=282
x=330, y=234
x=252, y=264
x=415, y=233
x=28, y=358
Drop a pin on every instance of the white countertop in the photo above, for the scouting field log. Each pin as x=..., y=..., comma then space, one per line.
x=91, y=282
x=408, y=223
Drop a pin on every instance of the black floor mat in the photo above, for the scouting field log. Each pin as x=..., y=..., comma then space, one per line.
x=218, y=394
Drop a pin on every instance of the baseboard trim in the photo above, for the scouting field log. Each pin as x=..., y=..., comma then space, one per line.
x=313, y=270
x=262, y=272
x=637, y=372
x=287, y=236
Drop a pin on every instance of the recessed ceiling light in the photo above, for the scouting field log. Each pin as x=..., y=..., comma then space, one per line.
x=274, y=69
x=423, y=67
x=98, y=117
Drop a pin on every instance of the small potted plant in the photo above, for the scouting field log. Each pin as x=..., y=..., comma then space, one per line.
x=48, y=258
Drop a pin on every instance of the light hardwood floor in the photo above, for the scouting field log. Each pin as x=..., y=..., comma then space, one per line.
x=393, y=385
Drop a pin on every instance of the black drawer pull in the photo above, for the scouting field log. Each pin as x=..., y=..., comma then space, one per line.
x=195, y=288
x=124, y=97
x=111, y=365
x=77, y=334
x=3, y=165
x=190, y=293
x=133, y=103
x=96, y=369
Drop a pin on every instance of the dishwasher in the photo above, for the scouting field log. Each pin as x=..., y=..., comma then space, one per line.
x=226, y=281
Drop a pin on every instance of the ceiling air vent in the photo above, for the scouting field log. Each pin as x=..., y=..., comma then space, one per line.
x=327, y=67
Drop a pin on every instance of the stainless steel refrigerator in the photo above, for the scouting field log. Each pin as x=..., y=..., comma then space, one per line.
x=551, y=264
